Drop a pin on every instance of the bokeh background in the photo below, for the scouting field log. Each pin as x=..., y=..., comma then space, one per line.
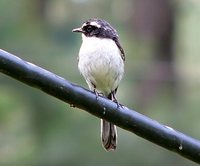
x=161, y=40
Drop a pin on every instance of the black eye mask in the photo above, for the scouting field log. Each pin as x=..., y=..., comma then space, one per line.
x=90, y=30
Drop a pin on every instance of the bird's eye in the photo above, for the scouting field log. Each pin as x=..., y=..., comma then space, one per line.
x=89, y=28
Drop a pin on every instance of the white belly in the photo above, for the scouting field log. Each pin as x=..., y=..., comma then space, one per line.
x=101, y=64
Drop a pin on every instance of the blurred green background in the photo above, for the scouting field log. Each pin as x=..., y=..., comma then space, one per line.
x=161, y=40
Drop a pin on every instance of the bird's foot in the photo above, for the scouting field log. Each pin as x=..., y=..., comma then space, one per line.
x=118, y=104
x=97, y=94
x=114, y=99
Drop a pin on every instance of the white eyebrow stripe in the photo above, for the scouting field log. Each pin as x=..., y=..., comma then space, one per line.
x=84, y=25
x=93, y=23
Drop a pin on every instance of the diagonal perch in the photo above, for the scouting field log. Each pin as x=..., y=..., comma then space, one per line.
x=77, y=96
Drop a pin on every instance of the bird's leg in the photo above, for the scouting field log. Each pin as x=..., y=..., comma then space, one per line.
x=96, y=93
x=115, y=99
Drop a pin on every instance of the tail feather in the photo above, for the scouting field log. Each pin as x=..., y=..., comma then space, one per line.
x=109, y=130
x=108, y=135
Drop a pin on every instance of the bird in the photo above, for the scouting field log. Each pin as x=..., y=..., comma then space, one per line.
x=101, y=63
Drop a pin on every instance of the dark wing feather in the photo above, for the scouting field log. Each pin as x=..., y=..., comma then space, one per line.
x=120, y=48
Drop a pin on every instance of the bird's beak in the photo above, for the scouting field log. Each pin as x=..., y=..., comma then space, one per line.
x=78, y=30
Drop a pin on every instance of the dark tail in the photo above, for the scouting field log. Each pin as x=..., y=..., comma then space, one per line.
x=108, y=135
x=108, y=130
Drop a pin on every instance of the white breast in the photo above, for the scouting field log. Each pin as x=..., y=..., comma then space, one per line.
x=101, y=64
